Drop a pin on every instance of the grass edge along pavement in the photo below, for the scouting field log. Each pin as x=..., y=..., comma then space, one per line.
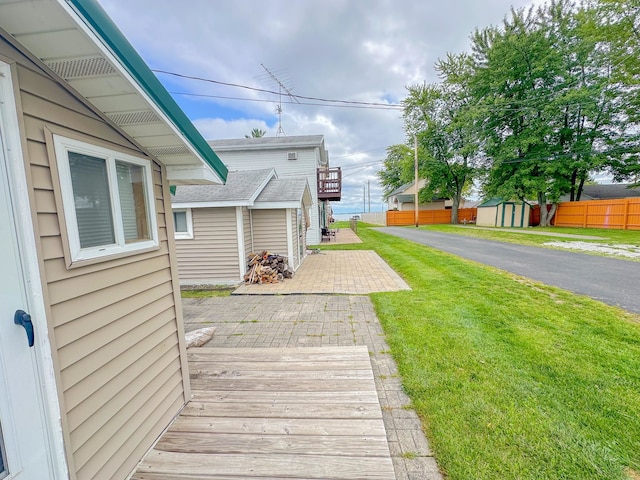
x=511, y=378
x=521, y=237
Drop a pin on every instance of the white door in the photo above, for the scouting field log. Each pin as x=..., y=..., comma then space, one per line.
x=23, y=435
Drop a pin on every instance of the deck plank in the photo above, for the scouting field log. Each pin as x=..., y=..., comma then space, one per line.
x=234, y=396
x=351, y=445
x=268, y=413
x=291, y=410
x=275, y=465
x=279, y=426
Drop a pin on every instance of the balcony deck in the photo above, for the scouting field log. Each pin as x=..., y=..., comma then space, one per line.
x=330, y=184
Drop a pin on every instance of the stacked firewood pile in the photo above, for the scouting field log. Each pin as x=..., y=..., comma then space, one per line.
x=267, y=268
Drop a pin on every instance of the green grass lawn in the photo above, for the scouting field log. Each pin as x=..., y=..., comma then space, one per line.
x=512, y=379
x=610, y=236
x=206, y=293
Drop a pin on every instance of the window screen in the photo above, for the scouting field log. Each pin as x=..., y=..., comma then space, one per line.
x=180, y=222
x=91, y=198
x=133, y=207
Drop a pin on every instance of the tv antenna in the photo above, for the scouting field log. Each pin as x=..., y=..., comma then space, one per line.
x=281, y=87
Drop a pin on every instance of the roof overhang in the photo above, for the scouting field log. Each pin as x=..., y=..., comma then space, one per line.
x=80, y=44
x=221, y=204
x=304, y=201
x=274, y=205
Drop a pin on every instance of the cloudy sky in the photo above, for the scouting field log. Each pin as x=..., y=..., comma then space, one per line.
x=349, y=50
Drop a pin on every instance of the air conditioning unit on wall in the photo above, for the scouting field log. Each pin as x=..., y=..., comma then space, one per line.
x=292, y=156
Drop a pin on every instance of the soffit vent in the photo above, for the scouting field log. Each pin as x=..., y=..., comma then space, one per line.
x=82, y=67
x=171, y=150
x=134, y=118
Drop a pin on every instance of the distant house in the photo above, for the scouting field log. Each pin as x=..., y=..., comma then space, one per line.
x=292, y=157
x=496, y=212
x=92, y=354
x=403, y=198
x=217, y=226
x=608, y=191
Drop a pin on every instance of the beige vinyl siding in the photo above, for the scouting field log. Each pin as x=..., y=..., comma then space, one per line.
x=113, y=324
x=270, y=231
x=211, y=256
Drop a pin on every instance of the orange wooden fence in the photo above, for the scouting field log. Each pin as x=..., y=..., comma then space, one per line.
x=428, y=217
x=622, y=213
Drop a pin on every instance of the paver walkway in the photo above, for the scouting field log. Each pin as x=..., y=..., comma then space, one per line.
x=322, y=321
x=335, y=271
x=343, y=236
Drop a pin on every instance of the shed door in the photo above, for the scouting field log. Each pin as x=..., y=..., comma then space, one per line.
x=23, y=435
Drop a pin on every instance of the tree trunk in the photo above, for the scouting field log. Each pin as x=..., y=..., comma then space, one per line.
x=455, y=206
x=580, y=188
x=574, y=177
x=546, y=214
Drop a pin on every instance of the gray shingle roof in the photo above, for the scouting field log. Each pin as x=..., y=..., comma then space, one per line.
x=400, y=189
x=284, y=190
x=607, y=191
x=241, y=188
x=267, y=142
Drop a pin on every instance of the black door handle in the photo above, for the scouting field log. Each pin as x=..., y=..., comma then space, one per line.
x=23, y=318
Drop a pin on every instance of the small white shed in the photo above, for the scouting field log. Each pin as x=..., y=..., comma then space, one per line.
x=496, y=212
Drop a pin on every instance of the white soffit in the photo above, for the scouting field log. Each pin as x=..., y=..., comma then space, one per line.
x=60, y=40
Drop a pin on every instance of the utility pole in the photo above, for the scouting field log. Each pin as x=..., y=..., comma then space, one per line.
x=364, y=199
x=415, y=168
x=369, y=193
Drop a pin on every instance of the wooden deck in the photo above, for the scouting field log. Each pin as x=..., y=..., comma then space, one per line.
x=267, y=413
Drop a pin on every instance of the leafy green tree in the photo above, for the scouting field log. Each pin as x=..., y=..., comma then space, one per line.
x=398, y=168
x=615, y=26
x=553, y=111
x=442, y=117
x=514, y=75
x=256, y=133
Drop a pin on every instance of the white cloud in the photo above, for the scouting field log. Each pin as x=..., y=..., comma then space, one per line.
x=336, y=49
x=218, y=129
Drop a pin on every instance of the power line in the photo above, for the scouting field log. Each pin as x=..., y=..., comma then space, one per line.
x=365, y=107
x=318, y=99
x=364, y=165
x=359, y=153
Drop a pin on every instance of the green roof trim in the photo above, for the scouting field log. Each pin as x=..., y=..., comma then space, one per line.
x=491, y=202
x=104, y=27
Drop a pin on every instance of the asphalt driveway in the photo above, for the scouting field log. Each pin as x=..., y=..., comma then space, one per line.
x=612, y=281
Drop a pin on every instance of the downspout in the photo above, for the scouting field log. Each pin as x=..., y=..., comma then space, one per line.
x=289, y=227
x=242, y=255
x=251, y=229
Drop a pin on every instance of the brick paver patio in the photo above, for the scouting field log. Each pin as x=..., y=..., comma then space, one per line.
x=335, y=272
x=322, y=320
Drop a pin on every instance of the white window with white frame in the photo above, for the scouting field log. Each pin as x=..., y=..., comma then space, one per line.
x=183, y=223
x=108, y=200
